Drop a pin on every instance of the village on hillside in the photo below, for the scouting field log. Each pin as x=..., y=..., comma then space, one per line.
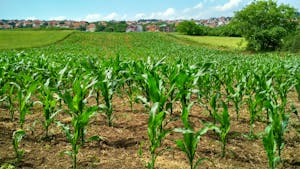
x=149, y=25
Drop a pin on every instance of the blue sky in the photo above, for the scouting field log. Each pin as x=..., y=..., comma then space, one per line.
x=94, y=10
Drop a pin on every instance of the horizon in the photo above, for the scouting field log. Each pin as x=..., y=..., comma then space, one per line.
x=93, y=10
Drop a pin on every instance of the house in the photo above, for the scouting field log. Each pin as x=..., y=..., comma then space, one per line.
x=152, y=28
x=76, y=25
x=6, y=26
x=36, y=24
x=52, y=23
x=91, y=28
x=134, y=28
x=27, y=24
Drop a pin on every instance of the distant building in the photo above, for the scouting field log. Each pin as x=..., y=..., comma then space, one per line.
x=91, y=28
x=152, y=28
x=134, y=28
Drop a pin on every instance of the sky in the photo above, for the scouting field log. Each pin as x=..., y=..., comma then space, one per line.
x=104, y=10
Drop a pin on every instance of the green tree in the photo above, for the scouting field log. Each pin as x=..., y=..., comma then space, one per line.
x=188, y=27
x=265, y=23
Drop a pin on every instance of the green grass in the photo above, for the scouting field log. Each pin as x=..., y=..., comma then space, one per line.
x=228, y=43
x=28, y=39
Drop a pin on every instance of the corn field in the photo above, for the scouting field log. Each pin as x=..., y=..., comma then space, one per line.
x=187, y=93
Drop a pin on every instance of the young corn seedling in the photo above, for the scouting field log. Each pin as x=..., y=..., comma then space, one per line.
x=79, y=122
x=224, y=127
x=49, y=103
x=24, y=102
x=76, y=100
x=107, y=83
x=10, y=89
x=129, y=85
x=159, y=95
x=191, y=138
x=252, y=106
x=156, y=133
x=17, y=137
x=279, y=125
x=270, y=147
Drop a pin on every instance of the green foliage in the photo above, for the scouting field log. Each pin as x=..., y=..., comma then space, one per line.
x=270, y=147
x=156, y=132
x=229, y=30
x=264, y=24
x=26, y=39
x=163, y=72
x=224, y=127
x=76, y=102
x=79, y=123
x=292, y=42
x=107, y=84
x=17, y=137
x=24, y=95
x=190, y=28
x=49, y=103
x=189, y=143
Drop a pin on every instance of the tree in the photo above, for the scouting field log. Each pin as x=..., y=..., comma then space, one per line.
x=191, y=28
x=187, y=27
x=265, y=23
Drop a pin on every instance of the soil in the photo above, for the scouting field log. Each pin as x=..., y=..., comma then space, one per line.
x=119, y=149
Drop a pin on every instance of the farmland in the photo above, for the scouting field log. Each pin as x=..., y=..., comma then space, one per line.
x=27, y=39
x=228, y=43
x=116, y=100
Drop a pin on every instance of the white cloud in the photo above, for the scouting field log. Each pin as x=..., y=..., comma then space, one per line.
x=167, y=14
x=111, y=16
x=31, y=18
x=92, y=17
x=229, y=5
x=59, y=18
x=202, y=10
x=198, y=6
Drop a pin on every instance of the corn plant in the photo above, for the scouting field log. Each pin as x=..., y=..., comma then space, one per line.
x=270, y=147
x=191, y=138
x=279, y=124
x=130, y=87
x=224, y=127
x=49, y=104
x=278, y=119
x=253, y=110
x=79, y=122
x=76, y=100
x=158, y=96
x=156, y=133
x=17, y=137
x=107, y=83
x=10, y=90
x=24, y=101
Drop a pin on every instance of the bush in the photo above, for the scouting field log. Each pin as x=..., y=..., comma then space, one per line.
x=292, y=42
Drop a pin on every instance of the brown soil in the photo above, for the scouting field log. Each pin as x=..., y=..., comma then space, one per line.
x=120, y=148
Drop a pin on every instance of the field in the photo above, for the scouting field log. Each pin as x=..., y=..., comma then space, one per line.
x=124, y=100
x=228, y=43
x=27, y=39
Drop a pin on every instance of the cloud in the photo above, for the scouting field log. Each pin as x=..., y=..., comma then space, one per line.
x=204, y=9
x=198, y=6
x=229, y=5
x=92, y=17
x=59, y=18
x=111, y=16
x=167, y=14
x=31, y=18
